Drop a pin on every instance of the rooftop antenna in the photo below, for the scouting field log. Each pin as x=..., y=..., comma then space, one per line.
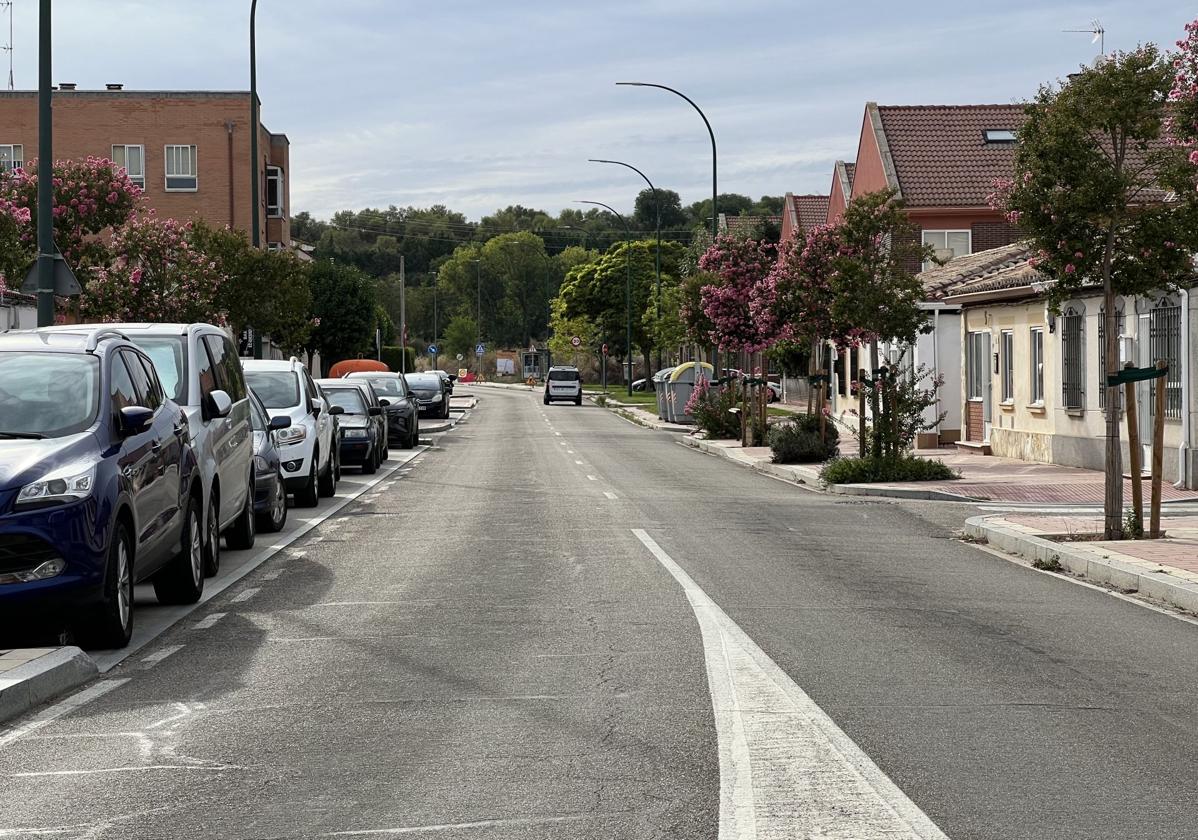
x=6, y=5
x=1097, y=31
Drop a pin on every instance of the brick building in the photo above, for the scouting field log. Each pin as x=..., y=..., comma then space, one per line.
x=189, y=150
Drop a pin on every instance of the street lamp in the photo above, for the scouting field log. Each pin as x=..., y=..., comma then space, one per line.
x=657, y=211
x=478, y=321
x=255, y=234
x=715, y=216
x=45, y=173
x=627, y=285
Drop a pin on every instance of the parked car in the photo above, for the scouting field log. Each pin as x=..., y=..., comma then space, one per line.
x=563, y=383
x=430, y=392
x=308, y=447
x=775, y=391
x=199, y=368
x=642, y=385
x=99, y=484
x=363, y=439
x=399, y=403
x=446, y=377
x=270, y=487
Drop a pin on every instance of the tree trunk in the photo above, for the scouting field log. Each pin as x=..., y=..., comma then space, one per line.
x=875, y=408
x=1113, y=502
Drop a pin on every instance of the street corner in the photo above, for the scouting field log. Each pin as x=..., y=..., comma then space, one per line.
x=30, y=677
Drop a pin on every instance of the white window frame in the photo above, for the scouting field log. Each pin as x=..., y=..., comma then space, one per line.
x=945, y=232
x=1037, y=357
x=140, y=180
x=194, y=161
x=18, y=159
x=280, y=210
x=977, y=365
x=1006, y=342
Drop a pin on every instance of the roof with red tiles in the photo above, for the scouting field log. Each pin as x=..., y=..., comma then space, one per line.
x=735, y=224
x=966, y=269
x=810, y=210
x=939, y=153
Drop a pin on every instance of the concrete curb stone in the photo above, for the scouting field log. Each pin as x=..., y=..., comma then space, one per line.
x=36, y=680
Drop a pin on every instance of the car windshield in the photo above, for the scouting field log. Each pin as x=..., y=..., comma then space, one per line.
x=423, y=380
x=47, y=394
x=276, y=388
x=563, y=375
x=169, y=355
x=350, y=399
x=386, y=386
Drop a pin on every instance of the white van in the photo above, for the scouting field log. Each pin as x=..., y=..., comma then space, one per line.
x=563, y=383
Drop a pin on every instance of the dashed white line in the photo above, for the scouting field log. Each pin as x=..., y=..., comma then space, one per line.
x=592, y=478
x=272, y=575
x=63, y=707
x=774, y=740
x=158, y=656
x=580, y=463
x=244, y=596
x=209, y=622
x=610, y=495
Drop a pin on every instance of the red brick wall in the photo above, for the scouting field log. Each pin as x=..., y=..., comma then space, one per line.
x=993, y=234
x=975, y=427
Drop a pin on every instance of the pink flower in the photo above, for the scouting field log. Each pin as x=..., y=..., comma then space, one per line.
x=1070, y=268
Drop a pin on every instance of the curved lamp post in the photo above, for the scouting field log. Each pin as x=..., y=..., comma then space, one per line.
x=657, y=211
x=255, y=234
x=715, y=216
x=627, y=284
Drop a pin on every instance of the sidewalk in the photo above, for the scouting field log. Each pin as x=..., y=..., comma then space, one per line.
x=31, y=676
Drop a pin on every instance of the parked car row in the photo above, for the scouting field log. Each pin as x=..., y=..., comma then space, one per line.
x=128, y=450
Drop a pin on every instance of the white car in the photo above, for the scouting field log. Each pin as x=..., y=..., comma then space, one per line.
x=308, y=448
x=563, y=383
x=198, y=367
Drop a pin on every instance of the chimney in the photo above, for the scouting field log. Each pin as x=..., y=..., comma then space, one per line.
x=114, y=86
x=66, y=85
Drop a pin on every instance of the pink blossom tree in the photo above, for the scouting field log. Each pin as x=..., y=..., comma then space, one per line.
x=739, y=265
x=1182, y=124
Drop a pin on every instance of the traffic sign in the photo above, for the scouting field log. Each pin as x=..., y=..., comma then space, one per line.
x=480, y=349
x=576, y=341
x=604, y=349
x=432, y=350
x=459, y=357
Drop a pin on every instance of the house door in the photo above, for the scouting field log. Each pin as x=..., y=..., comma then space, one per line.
x=987, y=388
x=980, y=380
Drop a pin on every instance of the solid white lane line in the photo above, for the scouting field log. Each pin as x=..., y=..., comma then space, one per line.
x=209, y=622
x=786, y=768
x=439, y=827
x=244, y=596
x=158, y=656
x=62, y=707
x=610, y=494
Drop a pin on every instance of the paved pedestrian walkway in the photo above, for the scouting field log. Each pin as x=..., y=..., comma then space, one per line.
x=1178, y=550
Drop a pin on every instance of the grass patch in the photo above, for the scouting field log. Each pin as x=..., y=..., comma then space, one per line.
x=1052, y=564
x=871, y=470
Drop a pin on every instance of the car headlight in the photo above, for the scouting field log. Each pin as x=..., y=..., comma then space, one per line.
x=58, y=489
x=260, y=465
x=292, y=434
x=435, y=398
x=354, y=433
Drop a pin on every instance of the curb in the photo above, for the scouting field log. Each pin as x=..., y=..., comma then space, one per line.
x=44, y=678
x=1138, y=576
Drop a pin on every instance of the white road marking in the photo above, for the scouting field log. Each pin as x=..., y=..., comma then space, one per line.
x=244, y=596
x=786, y=768
x=592, y=478
x=272, y=575
x=207, y=623
x=559, y=434
x=158, y=656
x=62, y=707
x=105, y=770
x=299, y=554
x=610, y=495
x=580, y=463
x=421, y=829
x=569, y=451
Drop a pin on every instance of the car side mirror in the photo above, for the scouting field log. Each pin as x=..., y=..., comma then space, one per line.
x=277, y=423
x=374, y=411
x=317, y=406
x=335, y=410
x=134, y=420
x=221, y=403
x=453, y=377
x=384, y=403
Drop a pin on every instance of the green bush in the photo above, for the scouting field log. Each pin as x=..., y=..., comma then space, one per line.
x=868, y=470
x=798, y=441
x=393, y=357
x=712, y=410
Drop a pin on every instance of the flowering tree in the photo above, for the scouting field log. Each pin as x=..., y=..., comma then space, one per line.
x=157, y=275
x=1182, y=123
x=1106, y=199
x=740, y=265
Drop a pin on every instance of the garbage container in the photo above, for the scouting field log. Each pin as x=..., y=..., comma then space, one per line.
x=679, y=387
x=659, y=389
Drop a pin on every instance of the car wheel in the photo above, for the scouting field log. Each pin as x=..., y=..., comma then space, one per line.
x=546, y=400
x=111, y=625
x=243, y=531
x=276, y=517
x=336, y=469
x=327, y=484
x=307, y=496
x=578, y=400
x=182, y=581
x=445, y=411
x=370, y=464
x=212, y=553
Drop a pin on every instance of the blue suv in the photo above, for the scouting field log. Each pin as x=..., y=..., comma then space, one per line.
x=99, y=488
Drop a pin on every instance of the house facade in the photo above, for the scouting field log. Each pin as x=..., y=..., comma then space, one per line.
x=188, y=150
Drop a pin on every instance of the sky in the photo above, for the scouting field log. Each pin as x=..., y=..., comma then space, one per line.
x=481, y=104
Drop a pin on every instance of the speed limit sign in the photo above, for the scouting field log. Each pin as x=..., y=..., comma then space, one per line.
x=604, y=349
x=576, y=341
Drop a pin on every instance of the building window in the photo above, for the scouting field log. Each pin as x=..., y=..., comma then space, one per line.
x=274, y=192
x=274, y=246
x=12, y=157
x=947, y=244
x=181, y=174
x=1164, y=337
x=1037, y=366
x=1073, y=361
x=132, y=159
x=1120, y=328
x=978, y=362
x=999, y=135
x=1008, y=366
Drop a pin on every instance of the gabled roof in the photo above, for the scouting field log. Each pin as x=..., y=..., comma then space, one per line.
x=807, y=211
x=938, y=156
x=979, y=271
x=733, y=224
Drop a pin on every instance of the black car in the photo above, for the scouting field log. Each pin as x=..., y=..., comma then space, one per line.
x=270, y=486
x=363, y=426
x=399, y=405
x=446, y=377
x=431, y=393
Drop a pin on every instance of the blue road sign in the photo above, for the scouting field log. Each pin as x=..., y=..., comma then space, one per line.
x=432, y=349
x=480, y=349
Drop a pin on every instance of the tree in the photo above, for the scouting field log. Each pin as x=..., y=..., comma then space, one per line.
x=343, y=307
x=460, y=335
x=1091, y=187
x=644, y=216
x=157, y=276
x=798, y=300
x=740, y=265
x=731, y=204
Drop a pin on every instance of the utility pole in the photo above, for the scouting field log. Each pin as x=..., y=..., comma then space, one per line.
x=8, y=48
x=45, y=173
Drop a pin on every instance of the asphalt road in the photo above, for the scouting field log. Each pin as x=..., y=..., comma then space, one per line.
x=484, y=646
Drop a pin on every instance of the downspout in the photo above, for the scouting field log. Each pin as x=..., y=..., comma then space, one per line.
x=232, y=203
x=936, y=365
x=1183, y=449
